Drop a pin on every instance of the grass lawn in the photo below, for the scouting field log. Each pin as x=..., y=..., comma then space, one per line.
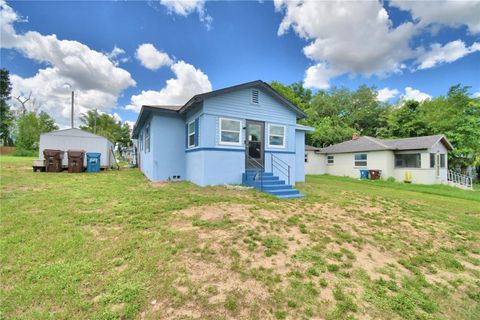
x=114, y=246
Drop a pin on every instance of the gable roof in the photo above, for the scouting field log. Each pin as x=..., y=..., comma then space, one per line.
x=366, y=143
x=180, y=109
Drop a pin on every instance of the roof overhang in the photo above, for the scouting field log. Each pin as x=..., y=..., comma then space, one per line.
x=145, y=113
x=446, y=143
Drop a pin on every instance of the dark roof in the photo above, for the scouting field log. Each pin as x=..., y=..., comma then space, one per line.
x=166, y=108
x=146, y=110
x=366, y=143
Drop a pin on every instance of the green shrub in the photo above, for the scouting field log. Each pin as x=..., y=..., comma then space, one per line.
x=25, y=153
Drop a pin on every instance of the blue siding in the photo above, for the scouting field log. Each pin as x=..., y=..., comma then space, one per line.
x=166, y=158
x=300, y=156
x=210, y=162
x=237, y=104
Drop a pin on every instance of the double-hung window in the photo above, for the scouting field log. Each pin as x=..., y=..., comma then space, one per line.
x=330, y=159
x=360, y=160
x=191, y=134
x=276, y=136
x=230, y=131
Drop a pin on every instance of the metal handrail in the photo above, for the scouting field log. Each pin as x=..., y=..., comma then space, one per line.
x=279, y=164
x=460, y=179
x=258, y=169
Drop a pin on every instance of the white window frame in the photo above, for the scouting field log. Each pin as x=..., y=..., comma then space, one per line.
x=190, y=134
x=355, y=161
x=333, y=160
x=276, y=135
x=147, y=137
x=229, y=143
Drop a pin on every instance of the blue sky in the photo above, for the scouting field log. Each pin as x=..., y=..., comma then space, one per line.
x=200, y=46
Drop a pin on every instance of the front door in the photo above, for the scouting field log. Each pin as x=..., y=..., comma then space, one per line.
x=255, y=144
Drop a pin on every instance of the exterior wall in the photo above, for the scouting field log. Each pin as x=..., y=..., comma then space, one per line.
x=166, y=158
x=344, y=164
x=440, y=148
x=223, y=163
x=74, y=140
x=299, y=156
x=316, y=163
x=211, y=162
x=379, y=160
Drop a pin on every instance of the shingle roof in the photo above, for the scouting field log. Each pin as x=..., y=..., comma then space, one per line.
x=366, y=143
x=163, y=107
x=310, y=148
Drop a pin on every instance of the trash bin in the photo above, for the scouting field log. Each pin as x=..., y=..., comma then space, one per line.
x=75, y=161
x=53, y=160
x=93, y=161
x=375, y=174
x=363, y=174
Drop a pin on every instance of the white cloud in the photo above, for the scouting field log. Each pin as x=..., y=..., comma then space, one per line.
x=414, y=94
x=442, y=12
x=116, y=56
x=151, y=58
x=186, y=7
x=188, y=82
x=386, y=94
x=96, y=80
x=346, y=37
x=449, y=52
x=476, y=94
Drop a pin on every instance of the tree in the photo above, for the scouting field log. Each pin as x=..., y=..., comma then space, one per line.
x=106, y=126
x=407, y=121
x=30, y=127
x=6, y=115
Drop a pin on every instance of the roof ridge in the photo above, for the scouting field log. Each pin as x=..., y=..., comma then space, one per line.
x=375, y=140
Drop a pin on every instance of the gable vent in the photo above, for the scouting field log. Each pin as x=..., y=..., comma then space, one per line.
x=255, y=96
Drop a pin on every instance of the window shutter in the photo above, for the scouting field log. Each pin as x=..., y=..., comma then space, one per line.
x=186, y=135
x=196, y=132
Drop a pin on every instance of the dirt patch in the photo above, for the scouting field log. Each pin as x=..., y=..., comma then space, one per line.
x=216, y=212
x=371, y=260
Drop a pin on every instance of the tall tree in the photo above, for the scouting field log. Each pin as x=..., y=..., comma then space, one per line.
x=6, y=115
x=30, y=127
x=107, y=126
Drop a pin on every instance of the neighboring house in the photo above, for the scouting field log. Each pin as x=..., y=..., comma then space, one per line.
x=424, y=158
x=217, y=137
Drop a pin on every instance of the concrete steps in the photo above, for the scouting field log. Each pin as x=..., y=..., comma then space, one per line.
x=267, y=182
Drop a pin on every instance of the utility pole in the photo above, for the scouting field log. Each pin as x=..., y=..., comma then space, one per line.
x=72, y=106
x=95, y=123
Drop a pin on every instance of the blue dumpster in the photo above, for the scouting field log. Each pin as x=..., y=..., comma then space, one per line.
x=363, y=174
x=93, y=161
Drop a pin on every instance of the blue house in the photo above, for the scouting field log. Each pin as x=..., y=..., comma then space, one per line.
x=246, y=133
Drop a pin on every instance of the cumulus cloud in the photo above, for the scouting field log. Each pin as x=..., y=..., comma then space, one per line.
x=449, y=52
x=414, y=94
x=187, y=7
x=386, y=94
x=476, y=94
x=151, y=58
x=97, y=81
x=359, y=38
x=188, y=82
x=443, y=12
x=346, y=37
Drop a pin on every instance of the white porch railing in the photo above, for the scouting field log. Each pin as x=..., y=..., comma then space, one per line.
x=459, y=180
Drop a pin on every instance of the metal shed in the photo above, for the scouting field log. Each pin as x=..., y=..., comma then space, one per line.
x=76, y=139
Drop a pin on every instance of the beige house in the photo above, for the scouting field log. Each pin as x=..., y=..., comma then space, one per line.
x=421, y=159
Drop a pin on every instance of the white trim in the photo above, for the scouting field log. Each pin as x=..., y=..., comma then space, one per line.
x=190, y=146
x=228, y=143
x=276, y=135
x=333, y=160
